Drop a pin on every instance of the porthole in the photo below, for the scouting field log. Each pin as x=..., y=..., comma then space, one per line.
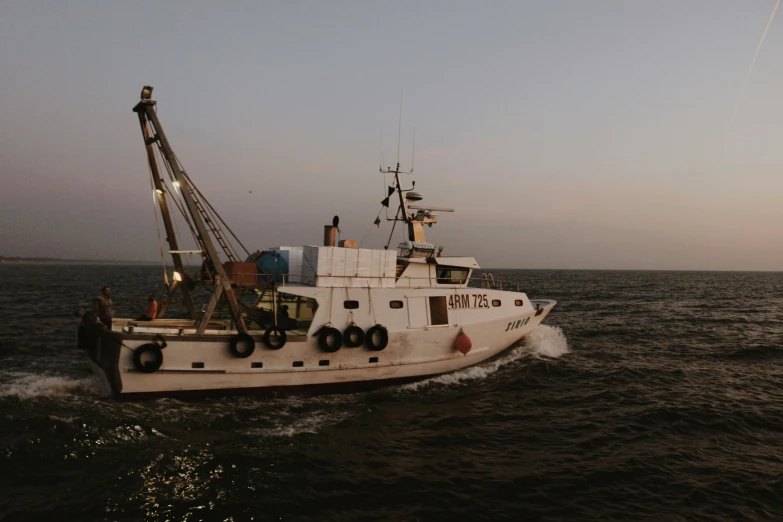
x=351, y=305
x=519, y=302
x=395, y=304
x=496, y=302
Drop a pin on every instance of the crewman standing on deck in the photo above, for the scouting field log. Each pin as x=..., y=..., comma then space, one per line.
x=152, y=309
x=104, y=308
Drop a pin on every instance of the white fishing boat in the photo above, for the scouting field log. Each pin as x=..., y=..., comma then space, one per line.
x=311, y=318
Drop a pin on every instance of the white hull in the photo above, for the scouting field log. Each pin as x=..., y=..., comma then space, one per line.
x=204, y=365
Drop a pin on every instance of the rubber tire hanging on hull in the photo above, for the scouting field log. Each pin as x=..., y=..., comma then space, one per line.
x=326, y=334
x=235, y=340
x=369, y=338
x=148, y=366
x=353, y=336
x=268, y=337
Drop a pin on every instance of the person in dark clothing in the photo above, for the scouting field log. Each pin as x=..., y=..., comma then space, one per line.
x=104, y=308
x=282, y=314
x=283, y=321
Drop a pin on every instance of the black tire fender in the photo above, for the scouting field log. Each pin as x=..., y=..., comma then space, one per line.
x=369, y=338
x=268, y=338
x=353, y=336
x=330, y=333
x=244, y=338
x=148, y=366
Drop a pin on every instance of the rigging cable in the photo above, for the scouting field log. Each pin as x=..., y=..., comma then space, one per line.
x=370, y=227
x=392, y=230
x=205, y=200
x=157, y=227
x=180, y=206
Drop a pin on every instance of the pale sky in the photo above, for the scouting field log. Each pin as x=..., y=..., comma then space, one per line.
x=566, y=134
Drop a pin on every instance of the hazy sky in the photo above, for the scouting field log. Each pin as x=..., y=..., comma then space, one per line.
x=582, y=134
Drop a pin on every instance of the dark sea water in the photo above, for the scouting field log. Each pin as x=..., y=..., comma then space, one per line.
x=647, y=396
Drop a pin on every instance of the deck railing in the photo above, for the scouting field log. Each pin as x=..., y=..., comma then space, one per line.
x=485, y=281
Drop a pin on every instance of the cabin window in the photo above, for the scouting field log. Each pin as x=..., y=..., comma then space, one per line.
x=496, y=302
x=452, y=275
x=439, y=313
x=351, y=305
x=395, y=304
x=519, y=302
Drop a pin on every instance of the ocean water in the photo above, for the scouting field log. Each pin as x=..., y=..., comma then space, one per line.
x=646, y=396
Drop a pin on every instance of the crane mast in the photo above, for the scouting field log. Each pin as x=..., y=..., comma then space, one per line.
x=153, y=134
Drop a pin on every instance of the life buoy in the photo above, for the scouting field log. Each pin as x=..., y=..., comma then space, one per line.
x=148, y=366
x=353, y=336
x=369, y=338
x=274, y=345
x=244, y=339
x=330, y=339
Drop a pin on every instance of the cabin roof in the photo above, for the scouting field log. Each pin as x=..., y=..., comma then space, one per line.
x=465, y=262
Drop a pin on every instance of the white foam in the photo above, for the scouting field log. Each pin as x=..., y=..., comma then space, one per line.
x=544, y=341
x=34, y=386
x=549, y=341
x=311, y=423
x=66, y=420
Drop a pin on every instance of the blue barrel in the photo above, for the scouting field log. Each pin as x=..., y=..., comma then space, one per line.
x=273, y=262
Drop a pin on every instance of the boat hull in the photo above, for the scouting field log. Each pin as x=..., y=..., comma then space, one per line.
x=204, y=365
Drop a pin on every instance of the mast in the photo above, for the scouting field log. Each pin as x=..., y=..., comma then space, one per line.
x=415, y=227
x=148, y=118
x=171, y=237
x=425, y=215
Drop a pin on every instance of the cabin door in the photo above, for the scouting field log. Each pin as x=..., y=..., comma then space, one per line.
x=439, y=313
x=417, y=312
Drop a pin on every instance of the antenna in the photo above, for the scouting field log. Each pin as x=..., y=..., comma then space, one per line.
x=399, y=128
x=413, y=154
x=380, y=149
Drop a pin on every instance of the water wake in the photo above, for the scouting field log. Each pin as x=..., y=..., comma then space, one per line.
x=547, y=341
x=544, y=341
x=311, y=423
x=35, y=386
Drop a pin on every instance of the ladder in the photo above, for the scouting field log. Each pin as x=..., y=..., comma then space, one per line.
x=213, y=227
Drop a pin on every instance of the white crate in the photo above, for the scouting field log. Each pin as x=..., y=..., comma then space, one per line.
x=348, y=267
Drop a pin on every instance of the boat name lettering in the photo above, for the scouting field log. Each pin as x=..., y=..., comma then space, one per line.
x=513, y=325
x=468, y=301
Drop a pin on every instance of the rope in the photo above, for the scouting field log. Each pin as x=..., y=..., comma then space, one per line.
x=209, y=205
x=177, y=201
x=392, y=230
x=370, y=227
x=372, y=308
x=157, y=227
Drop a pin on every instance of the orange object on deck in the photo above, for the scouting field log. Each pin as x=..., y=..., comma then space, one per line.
x=241, y=272
x=152, y=309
